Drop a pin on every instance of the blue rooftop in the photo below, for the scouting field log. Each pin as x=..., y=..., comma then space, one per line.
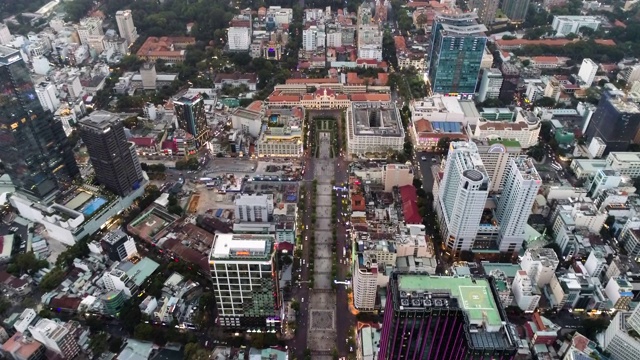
x=446, y=127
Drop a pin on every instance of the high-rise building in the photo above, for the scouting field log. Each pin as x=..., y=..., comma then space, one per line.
x=620, y=339
x=486, y=10
x=523, y=292
x=457, y=47
x=88, y=27
x=114, y=159
x=5, y=34
x=254, y=208
x=540, y=264
x=34, y=149
x=239, y=38
x=47, y=95
x=616, y=121
x=463, y=193
x=56, y=336
x=118, y=246
x=191, y=117
x=495, y=155
x=587, y=72
x=490, y=84
x=127, y=30
x=510, y=79
x=243, y=271
x=515, y=203
x=438, y=317
x=516, y=10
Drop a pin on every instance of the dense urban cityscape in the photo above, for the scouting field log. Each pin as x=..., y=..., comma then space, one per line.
x=318, y=179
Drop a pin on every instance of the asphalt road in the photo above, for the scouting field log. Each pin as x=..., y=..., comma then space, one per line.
x=425, y=168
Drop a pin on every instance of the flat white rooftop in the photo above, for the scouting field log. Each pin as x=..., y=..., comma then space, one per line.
x=245, y=245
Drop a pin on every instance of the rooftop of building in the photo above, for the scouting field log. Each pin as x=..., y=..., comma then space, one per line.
x=376, y=118
x=100, y=120
x=623, y=157
x=527, y=169
x=505, y=142
x=241, y=246
x=474, y=295
x=114, y=236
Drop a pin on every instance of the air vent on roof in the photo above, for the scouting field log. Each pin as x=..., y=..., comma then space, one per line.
x=438, y=302
x=403, y=294
x=427, y=303
x=414, y=293
x=404, y=302
x=416, y=302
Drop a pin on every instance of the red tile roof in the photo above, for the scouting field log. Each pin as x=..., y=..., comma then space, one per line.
x=410, y=205
x=312, y=81
x=370, y=97
x=65, y=303
x=143, y=141
x=400, y=42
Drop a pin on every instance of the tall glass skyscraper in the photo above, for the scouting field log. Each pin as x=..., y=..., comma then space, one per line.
x=34, y=149
x=457, y=46
x=191, y=117
x=616, y=121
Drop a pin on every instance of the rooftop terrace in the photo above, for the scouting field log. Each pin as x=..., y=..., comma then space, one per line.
x=376, y=118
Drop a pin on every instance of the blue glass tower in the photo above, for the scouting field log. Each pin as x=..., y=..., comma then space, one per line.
x=457, y=46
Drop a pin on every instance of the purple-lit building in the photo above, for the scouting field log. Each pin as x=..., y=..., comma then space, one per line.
x=444, y=317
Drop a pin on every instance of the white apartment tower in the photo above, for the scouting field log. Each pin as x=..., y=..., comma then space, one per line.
x=490, y=84
x=55, y=336
x=515, y=203
x=595, y=263
x=495, y=155
x=5, y=35
x=463, y=193
x=617, y=340
x=523, y=294
x=365, y=286
x=91, y=26
x=254, y=208
x=243, y=273
x=127, y=30
x=239, y=38
x=540, y=264
x=47, y=96
x=587, y=72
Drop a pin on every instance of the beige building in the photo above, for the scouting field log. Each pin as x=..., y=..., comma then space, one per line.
x=397, y=175
x=525, y=129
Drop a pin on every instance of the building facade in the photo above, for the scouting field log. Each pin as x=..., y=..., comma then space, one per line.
x=514, y=206
x=616, y=121
x=34, y=149
x=124, y=19
x=490, y=84
x=56, y=336
x=515, y=10
x=243, y=271
x=254, y=208
x=114, y=159
x=457, y=43
x=463, y=192
x=191, y=117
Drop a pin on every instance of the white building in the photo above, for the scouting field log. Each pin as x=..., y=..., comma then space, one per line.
x=254, y=208
x=249, y=121
x=24, y=320
x=625, y=163
x=490, y=84
x=370, y=51
x=496, y=155
x=280, y=142
x=619, y=292
x=313, y=38
x=587, y=72
x=540, y=264
x=597, y=147
x=91, y=26
x=116, y=280
x=565, y=25
x=239, y=38
x=334, y=39
x=514, y=206
x=244, y=281
x=463, y=192
x=630, y=237
x=47, y=96
x=127, y=30
x=444, y=108
x=595, y=263
x=374, y=127
x=365, y=287
x=5, y=35
x=280, y=15
x=523, y=292
x=56, y=336
x=525, y=129
x=617, y=340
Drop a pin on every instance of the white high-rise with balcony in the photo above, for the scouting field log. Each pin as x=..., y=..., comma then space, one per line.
x=463, y=193
x=540, y=264
x=127, y=30
x=514, y=206
x=523, y=292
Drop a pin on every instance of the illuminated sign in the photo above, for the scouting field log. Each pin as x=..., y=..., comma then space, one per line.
x=497, y=148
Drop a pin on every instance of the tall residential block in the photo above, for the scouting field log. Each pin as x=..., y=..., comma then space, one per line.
x=438, y=317
x=191, y=117
x=516, y=10
x=457, y=48
x=127, y=30
x=495, y=155
x=514, y=205
x=56, y=336
x=5, y=35
x=587, y=72
x=34, y=148
x=245, y=281
x=486, y=10
x=490, y=84
x=463, y=193
x=118, y=245
x=114, y=159
x=254, y=208
x=47, y=96
x=540, y=264
x=616, y=121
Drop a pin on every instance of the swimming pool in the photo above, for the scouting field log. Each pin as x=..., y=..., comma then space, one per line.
x=93, y=205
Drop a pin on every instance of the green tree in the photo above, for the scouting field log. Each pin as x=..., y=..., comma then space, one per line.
x=53, y=279
x=98, y=344
x=195, y=352
x=115, y=344
x=26, y=263
x=5, y=305
x=143, y=332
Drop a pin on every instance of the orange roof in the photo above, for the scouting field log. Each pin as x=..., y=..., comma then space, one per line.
x=423, y=125
x=312, y=81
x=546, y=59
x=370, y=97
x=278, y=96
x=255, y=106
x=358, y=203
x=619, y=23
x=400, y=42
x=547, y=42
x=383, y=78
